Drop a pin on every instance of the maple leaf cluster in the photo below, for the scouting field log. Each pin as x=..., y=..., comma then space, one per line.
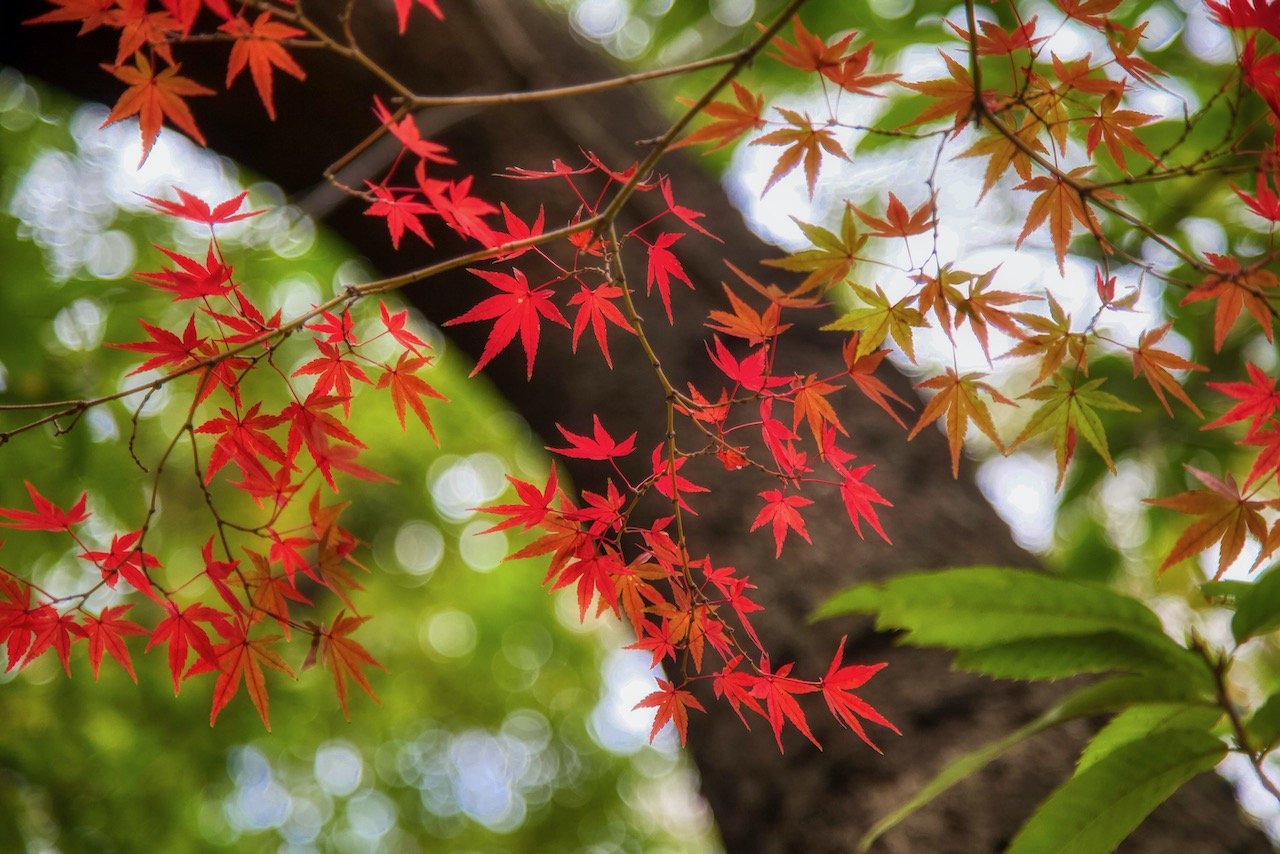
x=1028, y=127
x=1066, y=128
x=223, y=628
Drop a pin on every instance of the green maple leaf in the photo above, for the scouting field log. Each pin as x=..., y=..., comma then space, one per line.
x=879, y=319
x=1068, y=411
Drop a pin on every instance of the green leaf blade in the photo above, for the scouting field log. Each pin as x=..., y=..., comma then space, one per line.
x=1257, y=608
x=1142, y=720
x=1099, y=807
x=982, y=606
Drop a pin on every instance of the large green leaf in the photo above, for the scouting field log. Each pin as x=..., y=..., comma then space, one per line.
x=1099, y=807
x=1140, y=721
x=1263, y=725
x=1071, y=655
x=981, y=606
x=1105, y=696
x=1257, y=608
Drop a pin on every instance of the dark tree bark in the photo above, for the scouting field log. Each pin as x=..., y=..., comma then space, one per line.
x=804, y=800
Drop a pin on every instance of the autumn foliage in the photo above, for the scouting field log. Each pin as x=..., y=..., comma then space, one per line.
x=1061, y=133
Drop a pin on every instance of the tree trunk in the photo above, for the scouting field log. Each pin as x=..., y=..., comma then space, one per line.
x=805, y=800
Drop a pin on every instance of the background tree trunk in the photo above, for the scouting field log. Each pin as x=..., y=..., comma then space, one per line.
x=805, y=800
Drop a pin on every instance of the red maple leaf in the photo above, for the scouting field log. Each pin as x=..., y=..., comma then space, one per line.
x=1268, y=461
x=106, y=633
x=750, y=373
x=735, y=686
x=238, y=659
x=191, y=279
x=218, y=571
x=783, y=513
x=47, y=516
x=847, y=708
x=401, y=212
x=334, y=372
x=1246, y=14
x=593, y=571
x=1265, y=203
x=516, y=309
x=663, y=264
x=668, y=480
x=595, y=307
x=52, y=630
x=533, y=508
x=406, y=130
x=1258, y=399
x=181, y=630
x=335, y=329
x=461, y=211
x=124, y=559
x=686, y=215
x=409, y=389
x=242, y=440
x=395, y=325
x=778, y=689
x=600, y=446
x=195, y=209
x=518, y=230
x=403, y=7
x=311, y=427
x=1235, y=288
x=17, y=618
x=673, y=705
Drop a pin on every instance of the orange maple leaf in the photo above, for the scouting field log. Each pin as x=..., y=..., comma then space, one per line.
x=803, y=140
x=729, y=121
x=982, y=308
x=1050, y=340
x=153, y=97
x=954, y=97
x=1225, y=515
x=745, y=322
x=259, y=47
x=811, y=404
x=1061, y=203
x=958, y=399
x=897, y=222
x=344, y=657
x=1155, y=365
x=1002, y=152
x=407, y=388
x=811, y=52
